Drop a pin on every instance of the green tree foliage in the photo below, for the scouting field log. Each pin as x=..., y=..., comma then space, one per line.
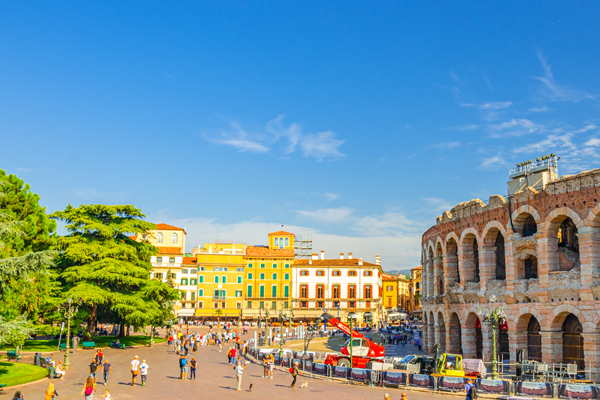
x=15, y=331
x=109, y=271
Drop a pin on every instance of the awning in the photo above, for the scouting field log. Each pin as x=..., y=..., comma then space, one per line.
x=186, y=312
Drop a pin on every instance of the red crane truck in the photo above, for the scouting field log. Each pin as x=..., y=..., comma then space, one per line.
x=363, y=349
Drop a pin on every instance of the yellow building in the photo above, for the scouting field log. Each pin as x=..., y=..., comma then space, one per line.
x=220, y=276
x=390, y=291
x=416, y=286
x=268, y=276
x=403, y=293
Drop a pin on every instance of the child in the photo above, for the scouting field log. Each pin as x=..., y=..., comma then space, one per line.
x=107, y=395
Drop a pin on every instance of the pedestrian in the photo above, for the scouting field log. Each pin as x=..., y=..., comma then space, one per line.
x=100, y=357
x=193, y=365
x=183, y=367
x=50, y=392
x=107, y=395
x=239, y=370
x=469, y=389
x=89, y=388
x=232, y=354
x=93, y=369
x=135, y=369
x=295, y=372
x=144, y=372
x=18, y=395
x=272, y=365
x=106, y=370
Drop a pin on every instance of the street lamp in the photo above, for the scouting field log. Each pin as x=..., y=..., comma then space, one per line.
x=70, y=311
x=495, y=316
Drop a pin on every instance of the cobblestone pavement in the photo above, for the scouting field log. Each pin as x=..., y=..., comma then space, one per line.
x=215, y=380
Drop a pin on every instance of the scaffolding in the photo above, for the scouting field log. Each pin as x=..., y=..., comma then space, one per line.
x=303, y=247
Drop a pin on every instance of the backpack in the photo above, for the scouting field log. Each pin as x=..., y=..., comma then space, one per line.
x=88, y=391
x=291, y=370
x=474, y=392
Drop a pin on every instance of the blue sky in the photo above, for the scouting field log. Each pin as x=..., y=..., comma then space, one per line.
x=356, y=122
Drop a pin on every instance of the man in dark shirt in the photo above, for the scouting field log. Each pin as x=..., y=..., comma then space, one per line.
x=94, y=369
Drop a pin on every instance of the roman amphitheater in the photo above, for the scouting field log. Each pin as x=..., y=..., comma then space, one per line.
x=537, y=251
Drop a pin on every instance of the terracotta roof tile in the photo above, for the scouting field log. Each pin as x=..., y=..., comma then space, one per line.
x=419, y=267
x=134, y=237
x=388, y=277
x=281, y=233
x=335, y=262
x=169, y=227
x=258, y=251
x=170, y=250
x=189, y=260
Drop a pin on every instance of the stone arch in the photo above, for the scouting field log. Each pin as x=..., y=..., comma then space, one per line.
x=438, y=270
x=431, y=333
x=561, y=229
x=526, y=221
x=526, y=311
x=469, y=245
x=452, y=235
x=440, y=329
x=451, y=270
x=494, y=236
x=528, y=335
x=560, y=214
x=440, y=242
x=469, y=230
x=454, y=338
x=472, y=338
x=560, y=313
x=524, y=209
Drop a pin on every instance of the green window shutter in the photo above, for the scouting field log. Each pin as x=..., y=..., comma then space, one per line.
x=262, y=277
x=274, y=265
x=287, y=265
x=224, y=279
x=223, y=294
x=286, y=291
x=274, y=291
x=201, y=278
x=249, y=275
x=249, y=294
x=262, y=265
x=182, y=280
x=287, y=277
x=216, y=278
x=239, y=279
x=201, y=293
x=262, y=291
x=250, y=265
x=274, y=276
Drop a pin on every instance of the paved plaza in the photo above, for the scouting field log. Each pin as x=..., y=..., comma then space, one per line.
x=215, y=379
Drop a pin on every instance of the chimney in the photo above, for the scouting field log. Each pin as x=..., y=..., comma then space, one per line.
x=349, y=256
x=322, y=254
x=341, y=256
x=360, y=261
x=310, y=261
x=314, y=256
x=377, y=260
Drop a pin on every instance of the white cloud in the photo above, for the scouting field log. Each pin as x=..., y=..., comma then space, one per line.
x=593, y=142
x=239, y=139
x=539, y=109
x=437, y=204
x=514, y=127
x=330, y=196
x=321, y=145
x=293, y=132
x=445, y=145
x=328, y=214
x=469, y=127
x=493, y=163
x=553, y=90
x=492, y=105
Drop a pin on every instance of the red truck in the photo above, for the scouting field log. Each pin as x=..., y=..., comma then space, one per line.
x=363, y=349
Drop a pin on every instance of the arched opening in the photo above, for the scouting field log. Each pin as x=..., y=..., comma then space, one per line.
x=452, y=262
x=529, y=226
x=564, y=245
x=425, y=332
x=287, y=242
x=431, y=331
x=159, y=237
x=472, y=342
x=455, y=334
x=503, y=343
x=534, y=340
x=441, y=326
x=276, y=242
x=530, y=267
x=438, y=269
x=174, y=238
x=500, y=258
x=471, y=258
x=495, y=240
x=430, y=274
x=478, y=340
x=573, y=342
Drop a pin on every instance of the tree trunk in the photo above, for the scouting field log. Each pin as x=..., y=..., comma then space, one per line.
x=92, y=321
x=151, y=336
x=122, y=329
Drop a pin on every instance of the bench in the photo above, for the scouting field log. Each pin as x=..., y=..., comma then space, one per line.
x=13, y=354
x=88, y=345
x=63, y=346
x=114, y=345
x=2, y=386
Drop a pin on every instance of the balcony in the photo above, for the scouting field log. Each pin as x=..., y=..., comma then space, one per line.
x=219, y=298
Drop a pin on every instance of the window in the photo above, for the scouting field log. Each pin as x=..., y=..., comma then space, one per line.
x=249, y=304
x=287, y=242
x=319, y=304
x=287, y=265
x=239, y=279
x=274, y=305
x=249, y=292
x=262, y=265
x=201, y=293
x=262, y=277
x=238, y=293
x=351, y=304
x=304, y=272
x=389, y=288
x=250, y=265
x=286, y=292
x=201, y=269
x=174, y=238
x=320, y=292
x=336, y=273
x=238, y=305
x=159, y=237
x=274, y=277
x=351, y=291
x=273, y=291
x=304, y=291
x=285, y=304
x=368, y=273
x=184, y=281
x=336, y=291
x=193, y=281
x=193, y=296
x=262, y=290
x=368, y=291
x=351, y=273
x=274, y=265
x=216, y=305
x=158, y=259
x=200, y=304
x=158, y=275
x=262, y=305
x=223, y=295
x=172, y=260
x=224, y=279
x=216, y=278
x=185, y=271
x=225, y=269
x=201, y=277
x=320, y=272
x=239, y=269
x=304, y=304
x=249, y=275
x=287, y=277
x=276, y=242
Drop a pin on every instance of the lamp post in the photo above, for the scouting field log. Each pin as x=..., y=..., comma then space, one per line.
x=495, y=316
x=70, y=311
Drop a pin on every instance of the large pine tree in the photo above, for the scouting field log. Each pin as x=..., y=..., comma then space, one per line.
x=103, y=266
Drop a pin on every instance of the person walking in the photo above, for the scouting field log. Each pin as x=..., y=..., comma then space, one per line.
x=239, y=370
x=106, y=371
x=469, y=389
x=93, y=369
x=89, y=388
x=50, y=392
x=183, y=367
x=144, y=372
x=295, y=372
x=135, y=369
x=193, y=365
x=232, y=354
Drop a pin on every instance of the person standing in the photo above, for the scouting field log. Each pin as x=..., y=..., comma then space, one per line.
x=144, y=372
x=183, y=367
x=50, y=392
x=239, y=370
x=93, y=369
x=135, y=369
x=193, y=365
x=106, y=371
x=89, y=388
x=295, y=372
x=232, y=355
